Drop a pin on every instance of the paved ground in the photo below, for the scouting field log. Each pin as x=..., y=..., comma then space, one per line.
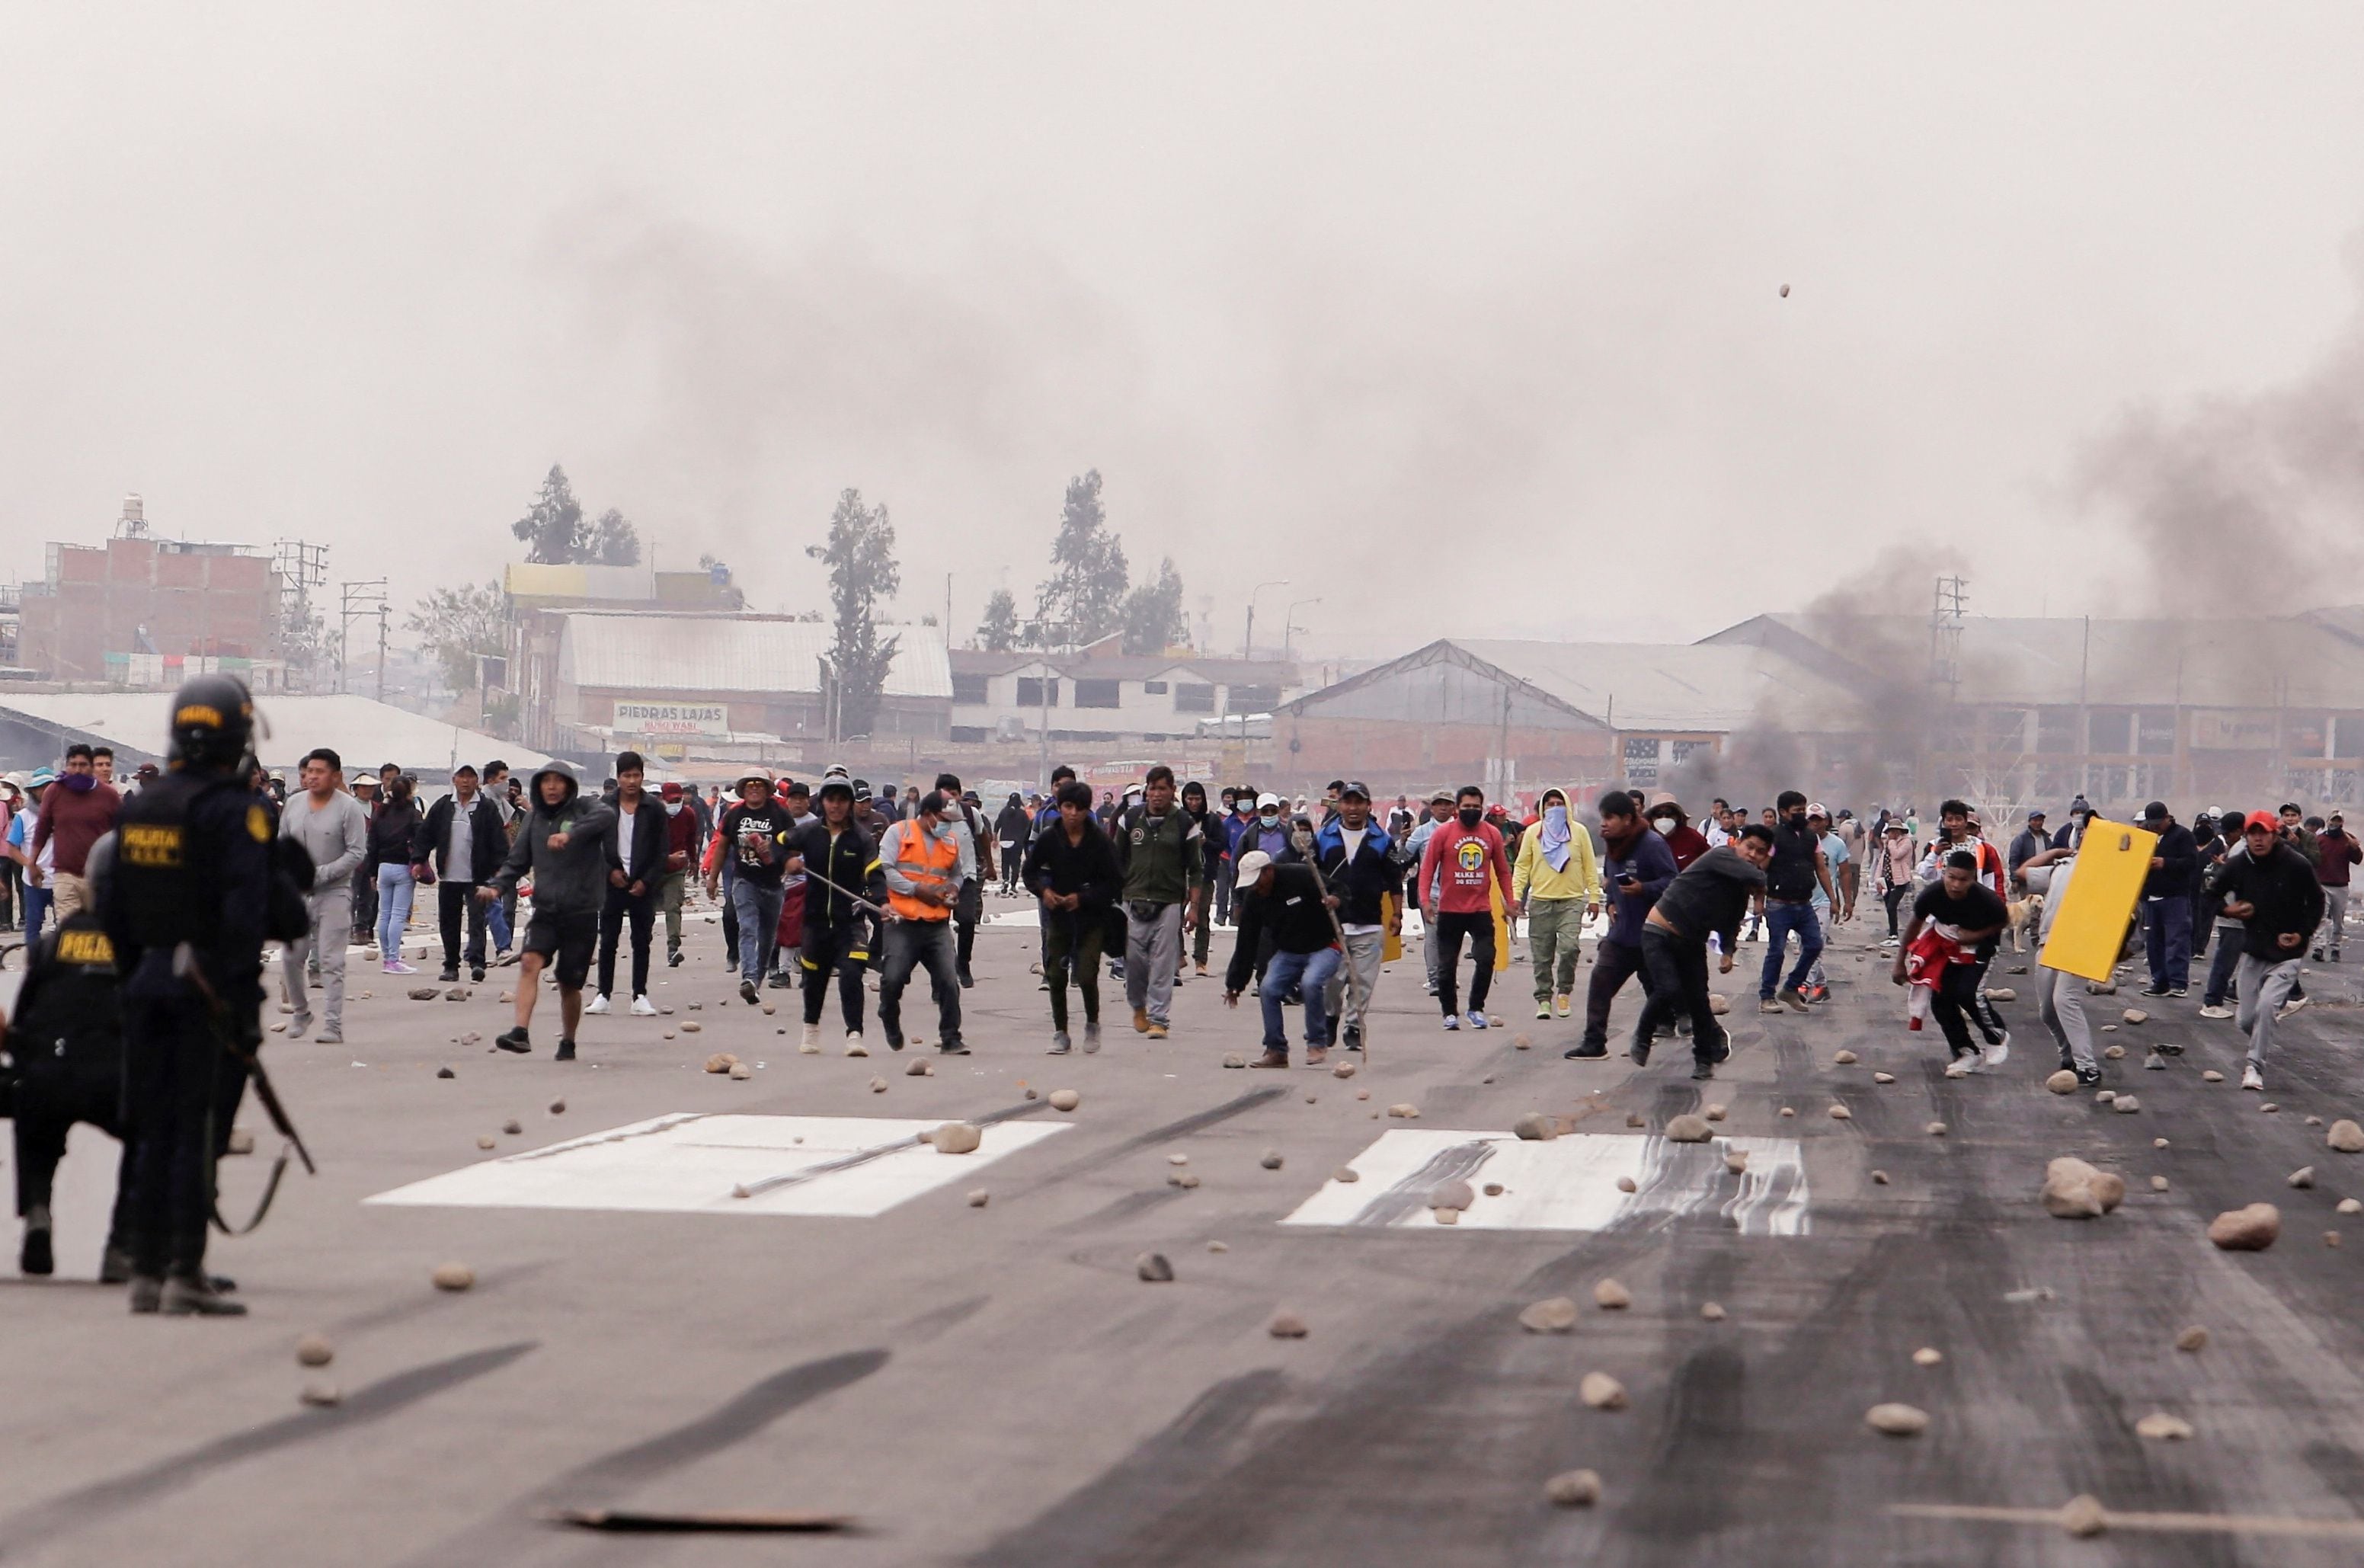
x=995, y=1386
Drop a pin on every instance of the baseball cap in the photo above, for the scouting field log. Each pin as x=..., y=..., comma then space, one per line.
x=2036, y=814
x=1355, y=788
x=1252, y=865
x=1818, y=809
x=671, y=789
x=2155, y=810
x=1267, y=799
x=1444, y=795
x=41, y=776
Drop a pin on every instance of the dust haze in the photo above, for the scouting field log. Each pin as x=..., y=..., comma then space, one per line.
x=1468, y=324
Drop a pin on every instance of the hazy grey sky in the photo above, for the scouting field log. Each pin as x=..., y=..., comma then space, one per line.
x=1466, y=319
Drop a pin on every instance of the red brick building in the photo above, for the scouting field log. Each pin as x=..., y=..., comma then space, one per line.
x=141, y=595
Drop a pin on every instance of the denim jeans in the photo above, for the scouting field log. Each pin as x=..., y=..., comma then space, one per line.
x=759, y=924
x=1308, y=972
x=1780, y=919
x=2167, y=941
x=396, y=887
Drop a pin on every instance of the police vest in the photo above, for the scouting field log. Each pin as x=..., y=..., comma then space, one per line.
x=72, y=1020
x=929, y=862
x=166, y=881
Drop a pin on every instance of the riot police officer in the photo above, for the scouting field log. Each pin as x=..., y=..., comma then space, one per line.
x=65, y=1050
x=193, y=896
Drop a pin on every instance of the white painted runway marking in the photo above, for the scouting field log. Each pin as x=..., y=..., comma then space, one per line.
x=851, y=1167
x=1565, y=1183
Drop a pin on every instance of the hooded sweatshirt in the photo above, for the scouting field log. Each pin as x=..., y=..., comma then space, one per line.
x=1533, y=876
x=571, y=880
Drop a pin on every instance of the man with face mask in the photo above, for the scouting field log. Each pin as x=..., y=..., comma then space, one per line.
x=1423, y=891
x=1673, y=829
x=1359, y=866
x=1639, y=868
x=1465, y=857
x=926, y=859
x=681, y=849
x=1798, y=869
x=1158, y=846
x=1559, y=882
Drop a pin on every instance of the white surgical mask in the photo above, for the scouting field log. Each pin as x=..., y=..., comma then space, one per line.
x=1269, y=819
x=1664, y=825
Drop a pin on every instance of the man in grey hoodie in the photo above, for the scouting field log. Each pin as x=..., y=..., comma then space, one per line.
x=334, y=830
x=563, y=843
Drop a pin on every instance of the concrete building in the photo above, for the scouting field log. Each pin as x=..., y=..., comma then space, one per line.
x=1099, y=694
x=539, y=597
x=732, y=686
x=36, y=727
x=99, y=607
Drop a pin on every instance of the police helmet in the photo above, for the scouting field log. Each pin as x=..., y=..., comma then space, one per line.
x=212, y=719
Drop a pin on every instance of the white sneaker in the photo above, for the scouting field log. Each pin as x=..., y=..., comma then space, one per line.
x=643, y=1008
x=2215, y=1013
x=298, y=1024
x=853, y=1046
x=1998, y=1053
x=811, y=1045
x=2292, y=1005
x=2251, y=1077
x=598, y=1004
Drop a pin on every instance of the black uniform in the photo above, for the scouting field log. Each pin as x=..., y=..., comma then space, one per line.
x=193, y=867
x=66, y=1047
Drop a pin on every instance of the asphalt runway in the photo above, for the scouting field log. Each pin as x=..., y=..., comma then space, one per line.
x=996, y=1386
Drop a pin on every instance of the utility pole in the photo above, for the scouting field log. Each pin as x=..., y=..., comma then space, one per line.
x=358, y=601
x=1247, y=649
x=1946, y=658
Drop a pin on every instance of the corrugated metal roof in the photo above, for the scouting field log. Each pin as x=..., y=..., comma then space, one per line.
x=363, y=730
x=725, y=654
x=1707, y=688
x=1221, y=671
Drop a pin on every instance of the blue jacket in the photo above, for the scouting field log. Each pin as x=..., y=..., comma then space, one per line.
x=1358, y=887
x=1652, y=865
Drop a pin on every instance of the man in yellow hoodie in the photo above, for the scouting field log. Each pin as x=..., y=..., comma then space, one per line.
x=1557, y=882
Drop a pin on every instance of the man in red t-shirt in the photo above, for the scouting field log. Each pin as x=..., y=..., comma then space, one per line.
x=1468, y=853
x=76, y=812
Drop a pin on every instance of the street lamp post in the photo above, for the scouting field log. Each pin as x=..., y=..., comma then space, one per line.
x=1288, y=623
x=1247, y=650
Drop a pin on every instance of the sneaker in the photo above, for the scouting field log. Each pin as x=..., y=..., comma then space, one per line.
x=2292, y=1005
x=2086, y=1076
x=2215, y=1010
x=392, y=967
x=146, y=1293
x=1996, y=1054
x=515, y=1040
x=810, y=1043
x=1542, y=1007
x=450, y=975
x=952, y=1049
x=2178, y=991
x=1060, y=1045
x=1792, y=999
x=1091, y=1039
x=1586, y=1053
x=1141, y=1020
x=1273, y=1058
x=2152, y=991
x=1767, y=1004
x=1317, y=1056
x=2251, y=1077
x=748, y=993
x=185, y=1296
x=598, y=1005
x=853, y=1046
x=1640, y=1053
x=643, y=1008
x=1563, y=1005
x=1702, y=1069
x=566, y=1051
x=2316, y=955
x=730, y=957
x=334, y=1034
x=298, y=1025
x=505, y=958
x=1428, y=988
x=1202, y=971
x=673, y=959
x=1451, y=1022
x=33, y=1258
x=1479, y=1020
x=1353, y=1034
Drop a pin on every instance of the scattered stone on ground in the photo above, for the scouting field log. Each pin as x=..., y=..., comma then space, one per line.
x=2350, y=1206
x=1452, y=1195
x=1688, y=1129
x=1154, y=1269
x=1883, y=1078
x=1234, y=1058
x=1343, y=1070
x=691, y=1026
x=1718, y=1003
x=2114, y=1053
x=878, y=1086
x=2270, y=1107
x=1844, y=1059
x=453, y=1276
x=719, y=1061
x=2315, y=1121
x=1927, y=1356
x=1626, y=1184
x=2163, y=1426
x=1896, y=1420
x=2062, y=1082
x=1064, y=1099
x=1553, y=1315
x=1218, y=1247
x=2125, y=1104
x=2250, y=1229
x=920, y=1067
x=1493, y=1188
x=1185, y=1180
x=2004, y=992
x=485, y=1143
x=2195, y=1337
x=1880, y=1178
x=1936, y=1129
x=1345, y=1174
x=1841, y=1114
x=314, y=1351
x=2211, y=1075
x=1535, y=1128
x=978, y=1198
x=1404, y=1112
x=2345, y=1137
x=424, y=993
x=1573, y=1489
x=1601, y=1392
x=1523, y=1042
x=322, y=1393
x=2303, y=1177
x=2134, y=1016
x=957, y=1138
x=2084, y=1515
x=512, y=1127
x=1635, y=1119
x=2331, y=1238
x=2105, y=1096
x=2074, y=1189
x=2158, y=1183
x=2159, y=1143
x=1286, y=1325
x=1789, y=1110
x=558, y=1107
x=742, y=1071
x=1716, y=1113
x=445, y=1072
x=2153, y=1063
x=1611, y=1296
x=1271, y=1160
x=1712, y=1311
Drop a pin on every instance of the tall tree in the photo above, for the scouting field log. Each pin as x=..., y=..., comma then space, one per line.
x=1153, y=613
x=613, y=542
x=456, y=624
x=1083, y=599
x=862, y=571
x=553, y=528
x=998, y=630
